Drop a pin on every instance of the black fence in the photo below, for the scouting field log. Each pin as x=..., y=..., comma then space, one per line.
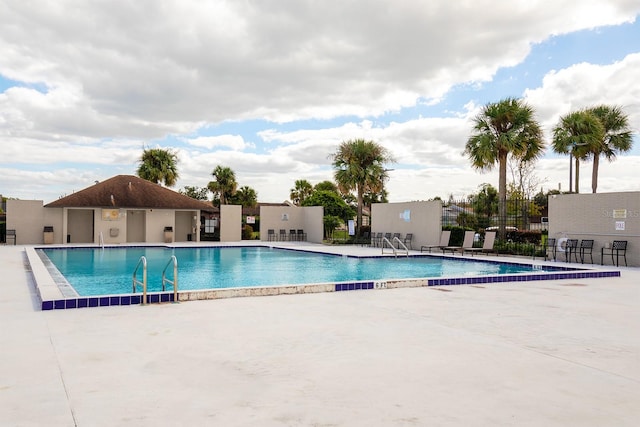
x=526, y=224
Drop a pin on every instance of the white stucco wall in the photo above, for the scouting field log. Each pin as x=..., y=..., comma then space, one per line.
x=602, y=217
x=230, y=223
x=27, y=218
x=287, y=218
x=423, y=219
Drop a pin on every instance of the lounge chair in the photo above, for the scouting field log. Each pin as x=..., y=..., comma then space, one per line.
x=487, y=245
x=586, y=247
x=618, y=247
x=467, y=243
x=444, y=241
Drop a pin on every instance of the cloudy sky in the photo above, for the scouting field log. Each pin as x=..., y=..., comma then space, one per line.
x=271, y=87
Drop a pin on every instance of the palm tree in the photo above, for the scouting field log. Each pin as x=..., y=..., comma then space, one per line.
x=359, y=166
x=502, y=129
x=246, y=196
x=617, y=137
x=578, y=134
x=225, y=184
x=159, y=165
x=300, y=191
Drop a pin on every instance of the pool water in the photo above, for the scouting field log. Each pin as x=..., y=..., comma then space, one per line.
x=95, y=271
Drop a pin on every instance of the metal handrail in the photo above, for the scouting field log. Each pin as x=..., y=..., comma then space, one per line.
x=386, y=241
x=174, y=283
x=395, y=250
x=142, y=261
x=400, y=243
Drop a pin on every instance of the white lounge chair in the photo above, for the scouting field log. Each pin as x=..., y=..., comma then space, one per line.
x=444, y=241
x=467, y=243
x=487, y=246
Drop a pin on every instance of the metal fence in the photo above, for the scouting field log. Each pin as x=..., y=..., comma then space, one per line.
x=522, y=214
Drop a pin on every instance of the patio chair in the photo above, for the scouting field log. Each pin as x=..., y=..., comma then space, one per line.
x=444, y=241
x=365, y=239
x=11, y=234
x=467, y=243
x=618, y=247
x=377, y=240
x=271, y=235
x=407, y=240
x=551, y=247
x=283, y=235
x=586, y=247
x=571, y=248
x=292, y=235
x=487, y=245
x=302, y=236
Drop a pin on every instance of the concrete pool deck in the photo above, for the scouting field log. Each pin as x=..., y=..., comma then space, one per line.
x=552, y=353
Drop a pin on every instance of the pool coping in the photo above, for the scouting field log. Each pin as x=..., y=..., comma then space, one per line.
x=52, y=292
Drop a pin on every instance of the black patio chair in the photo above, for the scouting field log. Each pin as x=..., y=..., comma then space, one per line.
x=586, y=247
x=571, y=248
x=407, y=240
x=618, y=247
x=551, y=247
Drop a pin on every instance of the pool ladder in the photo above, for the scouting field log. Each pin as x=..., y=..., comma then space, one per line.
x=174, y=262
x=142, y=262
x=396, y=251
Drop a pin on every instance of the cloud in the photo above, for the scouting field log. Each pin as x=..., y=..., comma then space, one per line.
x=99, y=82
x=586, y=85
x=233, y=142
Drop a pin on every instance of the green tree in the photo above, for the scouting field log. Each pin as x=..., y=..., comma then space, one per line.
x=485, y=204
x=301, y=190
x=159, y=165
x=502, y=129
x=225, y=184
x=330, y=224
x=245, y=196
x=359, y=167
x=617, y=137
x=198, y=193
x=326, y=186
x=332, y=203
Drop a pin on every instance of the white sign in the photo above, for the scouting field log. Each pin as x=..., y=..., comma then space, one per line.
x=352, y=227
x=619, y=225
x=251, y=220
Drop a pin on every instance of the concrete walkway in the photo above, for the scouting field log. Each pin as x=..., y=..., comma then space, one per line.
x=554, y=353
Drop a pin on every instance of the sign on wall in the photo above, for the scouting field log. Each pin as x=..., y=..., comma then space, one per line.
x=110, y=214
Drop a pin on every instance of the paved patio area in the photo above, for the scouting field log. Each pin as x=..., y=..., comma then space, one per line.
x=552, y=353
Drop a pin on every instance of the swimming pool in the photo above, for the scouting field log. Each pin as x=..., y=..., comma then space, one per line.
x=214, y=272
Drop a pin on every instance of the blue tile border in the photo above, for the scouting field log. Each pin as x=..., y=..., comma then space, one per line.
x=522, y=278
x=106, y=301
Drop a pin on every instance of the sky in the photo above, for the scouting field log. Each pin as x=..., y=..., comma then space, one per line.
x=270, y=88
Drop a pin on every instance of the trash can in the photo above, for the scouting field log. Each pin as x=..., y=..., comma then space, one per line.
x=48, y=235
x=168, y=234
